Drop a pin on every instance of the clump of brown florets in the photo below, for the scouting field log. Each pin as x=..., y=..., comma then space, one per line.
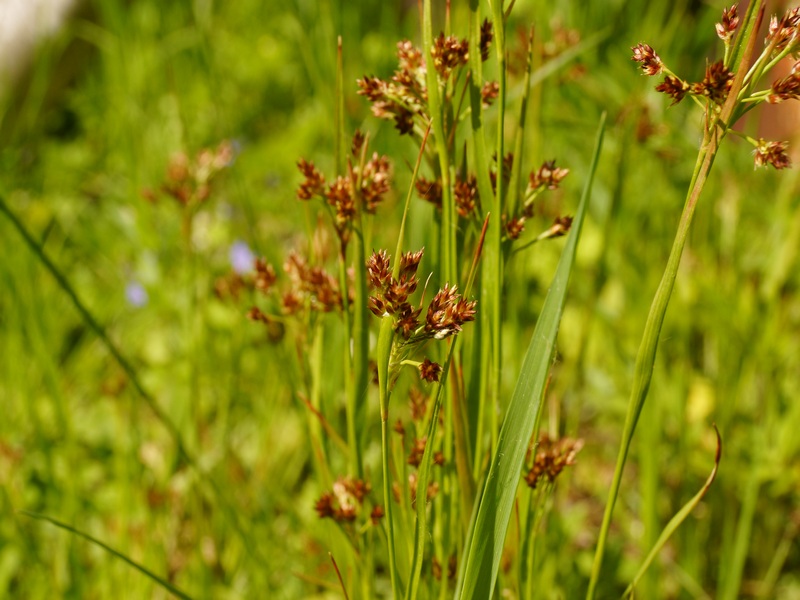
x=772, y=153
x=363, y=187
x=403, y=98
x=729, y=23
x=550, y=459
x=345, y=502
x=783, y=39
x=312, y=287
x=189, y=180
x=448, y=53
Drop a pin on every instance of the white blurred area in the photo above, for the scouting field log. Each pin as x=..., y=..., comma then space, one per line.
x=22, y=24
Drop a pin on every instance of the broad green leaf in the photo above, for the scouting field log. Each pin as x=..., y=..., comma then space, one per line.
x=485, y=539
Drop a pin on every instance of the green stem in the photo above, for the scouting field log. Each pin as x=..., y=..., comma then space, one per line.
x=645, y=358
x=385, y=338
x=481, y=167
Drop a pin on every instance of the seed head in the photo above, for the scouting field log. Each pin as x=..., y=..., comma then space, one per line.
x=548, y=176
x=448, y=53
x=314, y=182
x=466, y=195
x=674, y=87
x=430, y=371
x=486, y=39
x=430, y=191
x=716, y=83
x=650, y=62
x=786, y=88
x=447, y=312
x=773, y=153
x=551, y=458
x=515, y=227
x=727, y=26
x=489, y=93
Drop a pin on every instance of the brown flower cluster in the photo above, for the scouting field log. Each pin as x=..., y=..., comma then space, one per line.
x=729, y=23
x=547, y=177
x=550, y=459
x=189, y=181
x=345, y=502
x=392, y=294
x=772, y=153
x=447, y=312
x=487, y=35
x=430, y=371
x=365, y=185
x=783, y=39
x=786, y=88
x=783, y=32
x=403, y=98
x=311, y=287
x=449, y=53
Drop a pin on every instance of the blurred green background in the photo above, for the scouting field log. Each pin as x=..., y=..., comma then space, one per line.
x=90, y=127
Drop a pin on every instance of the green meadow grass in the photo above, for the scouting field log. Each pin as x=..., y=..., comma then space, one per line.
x=175, y=431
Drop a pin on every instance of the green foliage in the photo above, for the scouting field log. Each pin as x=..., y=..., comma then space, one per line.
x=215, y=490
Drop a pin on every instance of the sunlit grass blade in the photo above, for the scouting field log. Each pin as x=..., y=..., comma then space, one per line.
x=676, y=521
x=482, y=556
x=165, y=584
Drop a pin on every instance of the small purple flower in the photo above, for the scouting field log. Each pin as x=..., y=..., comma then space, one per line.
x=241, y=257
x=135, y=294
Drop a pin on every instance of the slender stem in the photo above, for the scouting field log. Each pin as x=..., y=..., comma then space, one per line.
x=385, y=339
x=645, y=358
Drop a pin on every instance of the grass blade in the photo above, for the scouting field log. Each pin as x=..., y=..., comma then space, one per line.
x=163, y=583
x=482, y=556
x=676, y=521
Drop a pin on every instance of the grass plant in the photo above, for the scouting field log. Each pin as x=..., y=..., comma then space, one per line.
x=341, y=299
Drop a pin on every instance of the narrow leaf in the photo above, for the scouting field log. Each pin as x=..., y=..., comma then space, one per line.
x=163, y=583
x=482, y=556
x=676, y=521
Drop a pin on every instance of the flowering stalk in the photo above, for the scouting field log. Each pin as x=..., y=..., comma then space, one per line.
x=727, y=93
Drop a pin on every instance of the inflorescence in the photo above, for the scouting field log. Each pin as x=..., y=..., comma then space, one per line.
x=782, y=40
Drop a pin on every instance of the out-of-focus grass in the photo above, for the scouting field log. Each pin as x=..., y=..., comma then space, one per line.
x=147, y=79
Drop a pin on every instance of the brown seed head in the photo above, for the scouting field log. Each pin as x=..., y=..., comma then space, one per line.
x=486, y=39
x=649, y=61
x=786, y=88
x=489, y=93
x=466, y=195
x=430, y=191
x=727, y=26
x=430, y=371
x=448, y=53
x=673, y=87
x=379, y=270
x=265, y=276
x=552, y=456
x=716, y=83
x=314, y=182
x=548, y=176
x=515, y=227
x=784, y=32
x=772, y=153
